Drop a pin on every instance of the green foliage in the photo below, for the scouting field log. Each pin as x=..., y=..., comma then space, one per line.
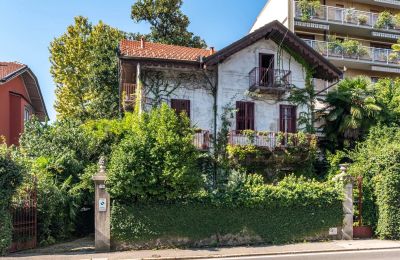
x=351, y=110
x=11, y=177
x=387, y=94
x=291, y=211
x=377, y=159
x=84, y=68
x=385, y=20
x=63, y=156
x=168, y=24
x=297, y=156
x=308, y=8
x=157, y=161
x=5, y=231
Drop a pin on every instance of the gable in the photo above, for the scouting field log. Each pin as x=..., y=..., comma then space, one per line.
x=282, y=36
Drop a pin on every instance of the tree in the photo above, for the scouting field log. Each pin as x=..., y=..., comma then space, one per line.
x=168, y=24
x=387, y=94
x=156, y=161
x=84, y=68
x=351, y=110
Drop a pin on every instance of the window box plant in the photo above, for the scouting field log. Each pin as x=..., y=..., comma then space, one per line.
x=349, y=15
x=362, y=19
x=385, y=20
x=308, y=8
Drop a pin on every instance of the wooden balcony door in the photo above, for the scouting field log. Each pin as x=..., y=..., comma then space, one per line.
x=266, y=69
x=288, y=118
x=244, y=115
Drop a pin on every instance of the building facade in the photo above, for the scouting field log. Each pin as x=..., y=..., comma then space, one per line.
x=354, y=35
x=20, y=98
x=247, y=82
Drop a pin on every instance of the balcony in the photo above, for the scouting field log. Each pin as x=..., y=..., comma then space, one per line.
x=270, y=140
x=270, y=81
x=202, y=140
x=384, y=3
x=363, y=55
x=354, y=21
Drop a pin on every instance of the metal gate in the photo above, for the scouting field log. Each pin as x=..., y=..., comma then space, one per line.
x=24, y=221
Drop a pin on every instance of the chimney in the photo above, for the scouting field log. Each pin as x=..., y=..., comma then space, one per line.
x=212, y=50
x=142, y=43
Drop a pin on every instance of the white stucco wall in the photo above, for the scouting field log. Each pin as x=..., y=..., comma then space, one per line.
x=233, y=83
x=274, y=10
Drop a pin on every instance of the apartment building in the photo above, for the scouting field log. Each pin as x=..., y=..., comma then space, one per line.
x=356, y=36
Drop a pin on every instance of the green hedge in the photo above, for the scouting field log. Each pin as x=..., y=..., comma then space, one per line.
x=293, y=210
x=201, y=221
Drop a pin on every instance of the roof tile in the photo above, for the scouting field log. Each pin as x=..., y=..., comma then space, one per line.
x=161, y=51
x=8, y=68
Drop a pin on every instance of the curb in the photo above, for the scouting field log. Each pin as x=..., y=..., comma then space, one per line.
x=269, y=254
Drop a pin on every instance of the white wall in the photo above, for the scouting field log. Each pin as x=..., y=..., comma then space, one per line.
x=274, y=10
x=233, y=83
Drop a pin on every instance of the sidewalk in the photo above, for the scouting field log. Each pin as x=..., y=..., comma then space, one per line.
x=88, y=253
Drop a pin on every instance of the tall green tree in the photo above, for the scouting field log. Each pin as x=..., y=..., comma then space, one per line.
x=84, y=67
x=351, y=110
x=167, y=22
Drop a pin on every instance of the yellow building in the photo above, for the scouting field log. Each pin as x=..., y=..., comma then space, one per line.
x=356, y=35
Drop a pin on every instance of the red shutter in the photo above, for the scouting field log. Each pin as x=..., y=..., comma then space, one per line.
x=287, y=119
x=244, y=115
x=181, y=105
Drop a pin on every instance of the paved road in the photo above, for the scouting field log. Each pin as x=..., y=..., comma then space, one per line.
x=388, y=254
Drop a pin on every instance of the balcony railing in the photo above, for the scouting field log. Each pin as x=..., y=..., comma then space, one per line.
x=128, y=90
x=202, y=139
x=269, y=79
x=361, y=53
x=269, y=140
x=347, y=16
x=393, y=2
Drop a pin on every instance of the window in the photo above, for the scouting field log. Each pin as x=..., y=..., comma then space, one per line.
x=288, y=118
x=244, y=115
x=181, y=105
x=27, y=114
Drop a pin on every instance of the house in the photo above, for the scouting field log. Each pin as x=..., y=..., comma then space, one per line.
x=20, y=98
x=252, y=77
x=356, y=35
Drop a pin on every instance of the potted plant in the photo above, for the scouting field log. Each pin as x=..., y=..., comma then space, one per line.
x=349, y=15
x=362, y=19
x=353, y=48
x=385, y=20
x=308, y=8
x=393, y=57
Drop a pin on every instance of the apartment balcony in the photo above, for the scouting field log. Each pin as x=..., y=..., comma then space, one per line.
x=360, y=57
x=270, y=81
x=270, y=140
x=348, y=21
x=384, y=3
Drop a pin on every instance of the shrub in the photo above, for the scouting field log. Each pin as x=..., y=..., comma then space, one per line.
x=377, y=159
x=385, y=20
x=5, y=231
x=11, y=176
x=294, y=210
x=308, y=8
x=156, y=161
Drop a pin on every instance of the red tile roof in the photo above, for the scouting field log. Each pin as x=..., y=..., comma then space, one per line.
x=8, y=68
x=161, y=51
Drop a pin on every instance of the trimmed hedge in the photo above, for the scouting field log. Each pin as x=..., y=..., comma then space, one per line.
x=294, y=210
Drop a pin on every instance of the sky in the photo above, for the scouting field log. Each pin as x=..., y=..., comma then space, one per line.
x=28, y=27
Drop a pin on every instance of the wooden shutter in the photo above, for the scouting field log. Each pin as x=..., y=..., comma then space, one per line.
x=288, y=119
x=244, y=115
x=181, y=105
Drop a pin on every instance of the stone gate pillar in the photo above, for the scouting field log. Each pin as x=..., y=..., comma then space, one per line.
x=348, y=208
x=102, y=210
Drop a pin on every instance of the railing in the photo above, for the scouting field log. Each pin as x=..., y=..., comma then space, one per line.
x=202, y=139
x=128, y=90
x=348, y=16
x=268, y=139
x=361, y=53
x=270, y=78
